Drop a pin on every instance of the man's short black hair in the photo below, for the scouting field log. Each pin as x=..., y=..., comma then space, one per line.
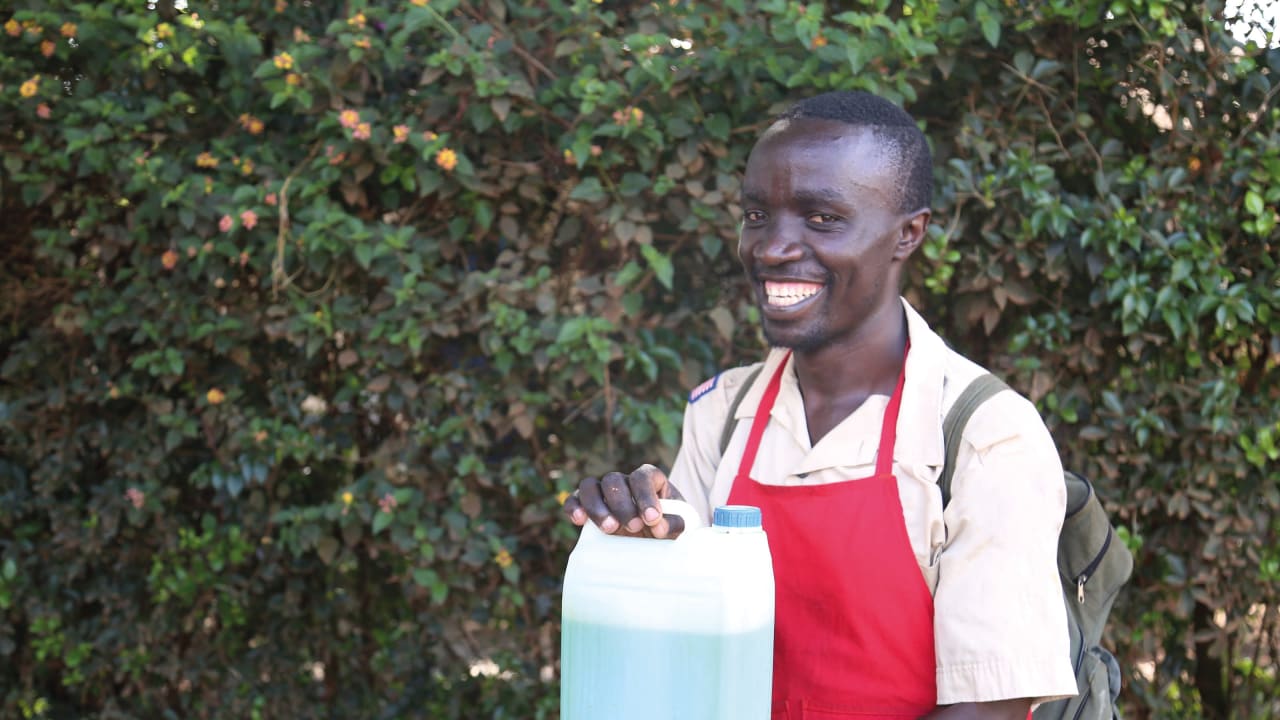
x=892, y=125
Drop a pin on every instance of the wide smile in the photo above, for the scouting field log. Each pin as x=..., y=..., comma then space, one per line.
x=789, y=296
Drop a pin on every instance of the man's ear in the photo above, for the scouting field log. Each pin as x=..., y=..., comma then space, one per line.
x=912, y=234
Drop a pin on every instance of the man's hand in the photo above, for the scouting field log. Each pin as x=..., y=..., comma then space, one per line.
x=626, y=504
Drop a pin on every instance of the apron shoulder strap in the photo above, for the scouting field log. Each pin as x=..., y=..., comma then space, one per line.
x=977, y=392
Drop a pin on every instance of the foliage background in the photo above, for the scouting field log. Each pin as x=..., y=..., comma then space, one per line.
x=288, y=395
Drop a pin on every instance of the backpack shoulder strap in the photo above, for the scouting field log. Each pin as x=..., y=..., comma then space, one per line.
x=729, y=422
x=978, y=392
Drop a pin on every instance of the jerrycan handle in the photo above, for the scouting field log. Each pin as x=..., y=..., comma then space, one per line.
x=692, y=520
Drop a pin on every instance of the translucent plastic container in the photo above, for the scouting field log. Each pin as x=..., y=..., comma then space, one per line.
x=675, y=629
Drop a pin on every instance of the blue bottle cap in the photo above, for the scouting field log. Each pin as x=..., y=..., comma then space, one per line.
x=738, y=516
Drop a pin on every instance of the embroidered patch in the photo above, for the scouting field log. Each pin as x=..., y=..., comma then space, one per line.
x=703, y=389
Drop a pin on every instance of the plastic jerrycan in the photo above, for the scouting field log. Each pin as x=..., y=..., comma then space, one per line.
x=673, y=629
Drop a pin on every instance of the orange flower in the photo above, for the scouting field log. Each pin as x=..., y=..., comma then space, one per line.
x=362, y=43
x=247, y=167
x=43, y=112
x=281, y=6
x=248, y=218
x=819, y=41
x=13, y=28
x=293, y=79
x=283, y=61
x=164, y=31
x=270, y=199
x=215, y=396
x=348, y=119
x=569, y=159
x=400, y=133
x=68, y=30
x=47, y=48
x=206, y=160
x=429, y=136
x=1193, y=164
x=447, y=159
x=503, y=559
x=357, y=20
x=169, y=259
x=251, y=123
x=300, y=35
x=362, y=132
x=419, y=3
x=30, y=87
x=226, y=223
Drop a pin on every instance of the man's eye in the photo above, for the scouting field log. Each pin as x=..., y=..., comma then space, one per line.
x=821, y=219
x=753, y=216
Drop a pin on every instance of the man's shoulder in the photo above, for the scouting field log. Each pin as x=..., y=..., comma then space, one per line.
x=720, y=389
x=1004, y=416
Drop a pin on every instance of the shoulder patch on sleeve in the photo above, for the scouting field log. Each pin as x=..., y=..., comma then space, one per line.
x=701, y=391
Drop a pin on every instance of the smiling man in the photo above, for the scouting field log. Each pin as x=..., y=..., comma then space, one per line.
x=889, y=605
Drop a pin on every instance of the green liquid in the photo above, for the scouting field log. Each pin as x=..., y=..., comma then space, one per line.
x=624, y=673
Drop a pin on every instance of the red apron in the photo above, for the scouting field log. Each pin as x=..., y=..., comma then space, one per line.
x=853, y=634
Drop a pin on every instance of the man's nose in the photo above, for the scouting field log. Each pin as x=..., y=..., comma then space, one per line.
x=779, y=242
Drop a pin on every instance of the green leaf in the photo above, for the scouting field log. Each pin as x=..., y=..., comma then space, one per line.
x=589, y=190
x=381, y=520
x=633, y=184
x=990, y=24
x=661, y=264
x=1253, y=203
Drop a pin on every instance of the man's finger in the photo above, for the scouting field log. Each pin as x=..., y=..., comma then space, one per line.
x=573, y=510
x=648, y=484
x=594, y=504
x=667, y=527
x=617, y=495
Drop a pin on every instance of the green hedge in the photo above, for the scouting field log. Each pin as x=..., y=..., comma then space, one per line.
x=311, y=312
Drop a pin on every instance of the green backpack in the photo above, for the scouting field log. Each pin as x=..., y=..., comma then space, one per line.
x=1092, y=563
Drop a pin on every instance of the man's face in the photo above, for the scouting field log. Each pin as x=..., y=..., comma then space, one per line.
x=821, y=230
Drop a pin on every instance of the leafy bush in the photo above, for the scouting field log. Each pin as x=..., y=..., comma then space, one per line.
x=312, y=312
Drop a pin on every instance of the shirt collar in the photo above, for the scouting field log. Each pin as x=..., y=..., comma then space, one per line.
x=919, y=439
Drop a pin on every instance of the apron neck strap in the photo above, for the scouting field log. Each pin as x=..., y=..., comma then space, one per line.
x=888, y=430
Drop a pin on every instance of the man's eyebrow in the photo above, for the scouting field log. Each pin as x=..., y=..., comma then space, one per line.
x=818, y=196
x=804, y=196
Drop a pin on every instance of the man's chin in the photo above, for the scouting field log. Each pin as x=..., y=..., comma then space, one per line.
x=796, y=342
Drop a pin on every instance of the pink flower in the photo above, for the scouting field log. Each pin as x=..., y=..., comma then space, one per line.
x=349, y=119
x=362, y=131
x=135, y=497
x=248, y=218
x=387, y=503
x=401, y=133
x=43, y=112
x=226, y=223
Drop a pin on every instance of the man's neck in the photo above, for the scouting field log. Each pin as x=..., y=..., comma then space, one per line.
x=836, y=379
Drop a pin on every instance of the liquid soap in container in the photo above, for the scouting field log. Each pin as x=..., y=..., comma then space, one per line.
x=679, y=629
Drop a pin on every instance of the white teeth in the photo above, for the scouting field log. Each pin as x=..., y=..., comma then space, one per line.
x=787, y=294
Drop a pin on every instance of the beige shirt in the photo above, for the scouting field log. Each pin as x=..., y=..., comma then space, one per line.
x=990, y=559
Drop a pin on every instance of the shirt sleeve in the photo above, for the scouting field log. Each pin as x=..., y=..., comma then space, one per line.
x=1000, y=623
x=705, y=415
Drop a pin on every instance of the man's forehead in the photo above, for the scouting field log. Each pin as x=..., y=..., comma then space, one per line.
x=838, y=156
